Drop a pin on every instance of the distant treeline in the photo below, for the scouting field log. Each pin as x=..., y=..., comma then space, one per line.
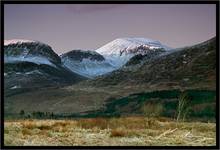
x=201, y=105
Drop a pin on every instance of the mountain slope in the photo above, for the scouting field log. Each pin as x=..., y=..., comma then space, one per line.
x=86, y=63
x=189, y=66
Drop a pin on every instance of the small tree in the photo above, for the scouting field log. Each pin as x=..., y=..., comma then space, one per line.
x=28, y=116
x=52, y=115
x=22, y=113
x=183, y=106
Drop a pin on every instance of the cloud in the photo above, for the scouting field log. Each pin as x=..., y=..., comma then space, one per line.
x=89, y=8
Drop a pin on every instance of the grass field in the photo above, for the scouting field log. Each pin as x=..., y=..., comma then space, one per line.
x=124, y=131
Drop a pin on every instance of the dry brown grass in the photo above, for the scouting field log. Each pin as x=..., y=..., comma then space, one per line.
x=26, y=131
x=29, y=124
x=100, y=123
x=119, y=132
x=112, y=131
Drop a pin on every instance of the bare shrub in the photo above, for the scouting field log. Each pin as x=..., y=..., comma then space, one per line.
x=183, y=107
x=118, y=132
x=44, y=127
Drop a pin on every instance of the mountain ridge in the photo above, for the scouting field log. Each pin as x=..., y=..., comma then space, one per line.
x=149, y=70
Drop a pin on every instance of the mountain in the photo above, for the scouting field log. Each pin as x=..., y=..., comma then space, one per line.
x=86, y=63
x=29, y=51
x=183, y=67
x=156, y=79
x=32, y=64
x=111, y=56
x=119, y=51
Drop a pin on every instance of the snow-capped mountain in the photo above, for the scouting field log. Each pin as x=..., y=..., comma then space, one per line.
x=32, y=64
x=182, y=67
x=119, y=51
x=86, y=63
x=29, y=51
x=111, y=56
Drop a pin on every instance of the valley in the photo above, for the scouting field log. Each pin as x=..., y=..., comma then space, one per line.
x=117, y=74
x=58, y=90
x=139, y=94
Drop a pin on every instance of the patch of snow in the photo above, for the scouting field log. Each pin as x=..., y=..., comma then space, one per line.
x=14, y=41
x=15, y=87
x=33, y=72
x=34, y=59
x=21, y=41
x=87, y=67
x=186, y=79
x=118, y=61
x=207, y=53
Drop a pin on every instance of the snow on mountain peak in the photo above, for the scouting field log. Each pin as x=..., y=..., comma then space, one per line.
x=15, y=41
x=21, y=41
x=21, y=50
x=119, y=45
x=120, y=50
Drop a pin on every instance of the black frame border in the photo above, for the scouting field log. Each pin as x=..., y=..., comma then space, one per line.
x=4, y=2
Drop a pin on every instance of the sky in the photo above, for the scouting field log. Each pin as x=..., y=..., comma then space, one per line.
x=67, y=27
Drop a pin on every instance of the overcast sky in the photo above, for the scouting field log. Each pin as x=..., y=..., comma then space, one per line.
x=90, y=26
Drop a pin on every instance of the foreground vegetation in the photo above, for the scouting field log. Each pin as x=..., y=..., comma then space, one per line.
x=135, y=131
